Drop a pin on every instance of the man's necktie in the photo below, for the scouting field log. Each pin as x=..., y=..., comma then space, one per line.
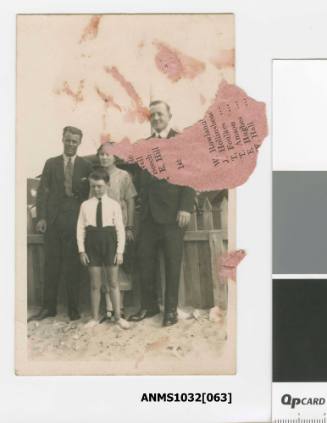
x=69, y=178
x=99, y=214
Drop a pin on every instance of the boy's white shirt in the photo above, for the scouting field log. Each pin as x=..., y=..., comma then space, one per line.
x=111, y=216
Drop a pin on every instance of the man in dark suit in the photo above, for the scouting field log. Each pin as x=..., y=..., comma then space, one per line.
x=165, y=212
x=63, y=187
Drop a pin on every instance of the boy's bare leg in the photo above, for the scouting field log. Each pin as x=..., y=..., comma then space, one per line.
x=112, y=274
x=109, y=306
x=112, y=280
x=95, y=273
x=105, y=290
x=122, y=302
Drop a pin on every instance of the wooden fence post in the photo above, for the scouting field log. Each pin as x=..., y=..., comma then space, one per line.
x=216, y=249
x=205, y=217
x=224, y=213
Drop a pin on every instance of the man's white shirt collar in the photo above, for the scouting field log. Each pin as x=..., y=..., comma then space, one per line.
x=163, y=134
x=66, y=158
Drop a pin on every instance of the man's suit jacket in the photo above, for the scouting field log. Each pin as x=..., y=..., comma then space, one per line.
x=162, y=199
x=51, y=191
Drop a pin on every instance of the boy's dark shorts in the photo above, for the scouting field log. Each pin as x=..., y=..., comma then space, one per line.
x=101, y=245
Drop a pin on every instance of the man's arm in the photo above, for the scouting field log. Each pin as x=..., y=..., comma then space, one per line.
x=42, y=198
x=141, y=183
x=187, y=199
x=185, y=207
x=84, y=191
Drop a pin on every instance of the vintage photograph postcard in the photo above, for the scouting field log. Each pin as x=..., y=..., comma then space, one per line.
x=117, y=270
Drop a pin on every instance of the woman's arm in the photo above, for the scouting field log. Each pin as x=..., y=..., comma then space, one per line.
x=130, y=194
x=42, y=198
x=120, y=229
x=130, y=204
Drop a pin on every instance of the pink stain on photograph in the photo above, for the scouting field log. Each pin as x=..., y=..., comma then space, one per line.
x=90, y=32
x=107, y=99
x=139, y=112
x=105, y=138
x=175, y=64
x=76, y=95
x=225, y=59
x=228, y=263
x=217, y=152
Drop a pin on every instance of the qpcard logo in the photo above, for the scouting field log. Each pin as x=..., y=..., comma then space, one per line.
x=287, y=399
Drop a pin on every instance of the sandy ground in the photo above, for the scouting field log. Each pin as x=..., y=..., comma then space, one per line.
x=143, y=345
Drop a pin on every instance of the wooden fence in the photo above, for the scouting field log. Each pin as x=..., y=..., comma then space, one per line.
x=205, y=240
x=200, y=286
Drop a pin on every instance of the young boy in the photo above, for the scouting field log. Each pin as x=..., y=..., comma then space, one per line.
x=101, y=242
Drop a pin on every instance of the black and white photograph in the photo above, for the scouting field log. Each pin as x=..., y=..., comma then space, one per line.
x=117, y=270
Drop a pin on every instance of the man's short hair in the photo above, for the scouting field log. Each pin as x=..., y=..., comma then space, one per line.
x=155, y=102
x=99, y=174
x=72, y=130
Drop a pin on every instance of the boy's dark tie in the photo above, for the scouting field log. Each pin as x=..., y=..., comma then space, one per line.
x=99, y=213
x=69, y=177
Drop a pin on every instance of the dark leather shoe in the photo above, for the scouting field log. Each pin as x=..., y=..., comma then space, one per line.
x=104, y=319
x=74, y=315
x=43, y=314
x=143, y=314
x=170, y=318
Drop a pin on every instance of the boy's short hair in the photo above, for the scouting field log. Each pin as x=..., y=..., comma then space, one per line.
x=99, y=174
x=72, y=130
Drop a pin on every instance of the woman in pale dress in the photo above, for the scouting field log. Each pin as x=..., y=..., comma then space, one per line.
x=121, y=189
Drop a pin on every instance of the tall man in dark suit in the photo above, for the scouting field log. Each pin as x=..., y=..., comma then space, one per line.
x=63, y=187
x=165, y=212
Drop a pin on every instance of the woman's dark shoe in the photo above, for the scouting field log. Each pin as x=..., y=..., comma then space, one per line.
x=74, y=315
x=143, y=314
x=109, y=317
